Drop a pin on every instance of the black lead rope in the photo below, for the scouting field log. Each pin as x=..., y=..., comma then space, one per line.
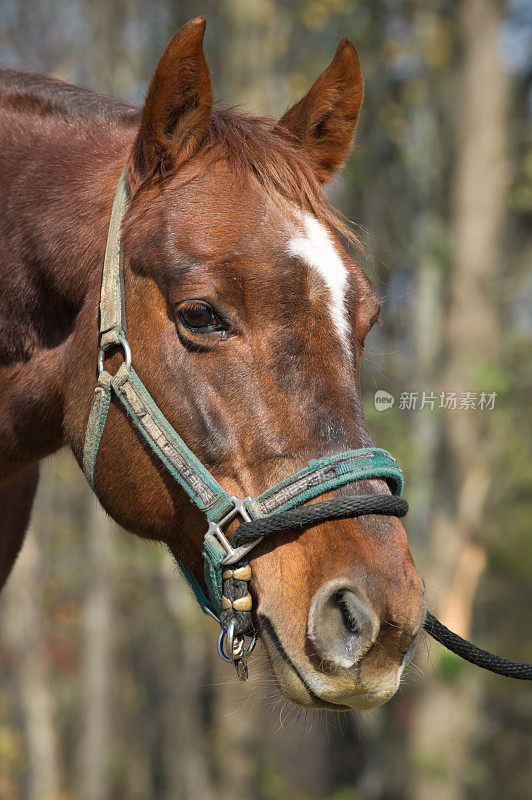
x=347, y=508
x=475, y=655
x=326, y=510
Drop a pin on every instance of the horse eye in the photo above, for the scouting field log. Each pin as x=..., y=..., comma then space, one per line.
x=199, y=316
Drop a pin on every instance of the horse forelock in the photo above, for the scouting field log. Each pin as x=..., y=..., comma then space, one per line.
x=258, y=148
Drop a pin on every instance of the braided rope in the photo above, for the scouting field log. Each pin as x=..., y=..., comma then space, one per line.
x=347, y=508
x=336, y=508
x=475, y=655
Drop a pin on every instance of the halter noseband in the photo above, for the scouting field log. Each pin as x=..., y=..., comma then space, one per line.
x=227, y=575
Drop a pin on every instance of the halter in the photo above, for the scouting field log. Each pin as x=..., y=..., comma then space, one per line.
x=226, y=594
x=227, y=573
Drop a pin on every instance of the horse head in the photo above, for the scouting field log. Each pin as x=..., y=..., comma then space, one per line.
x=247, y=319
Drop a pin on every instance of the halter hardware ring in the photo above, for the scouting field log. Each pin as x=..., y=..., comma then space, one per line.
x=126, y=351
x=235, y=645
x=215, y=529
x=221, y=651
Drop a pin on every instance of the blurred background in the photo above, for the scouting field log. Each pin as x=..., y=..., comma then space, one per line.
x=110, y=686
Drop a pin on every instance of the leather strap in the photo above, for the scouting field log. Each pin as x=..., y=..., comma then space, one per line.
x=112, y=312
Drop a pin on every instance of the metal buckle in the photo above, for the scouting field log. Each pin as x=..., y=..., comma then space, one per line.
x=216, y=529
x=126, y=350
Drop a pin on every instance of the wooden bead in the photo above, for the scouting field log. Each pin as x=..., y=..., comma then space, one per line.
x=242, y=573
x=243, y=603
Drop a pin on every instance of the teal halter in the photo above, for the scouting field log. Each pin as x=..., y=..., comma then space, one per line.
x=319, y=476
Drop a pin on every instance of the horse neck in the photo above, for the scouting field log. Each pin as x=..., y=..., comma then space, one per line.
x=58, y=179
x=55, y=218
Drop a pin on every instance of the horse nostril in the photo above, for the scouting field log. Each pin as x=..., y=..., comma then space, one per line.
x=351, y=624
x=342, y=623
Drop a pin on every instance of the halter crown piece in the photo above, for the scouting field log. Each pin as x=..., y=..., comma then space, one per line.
x=225, y=593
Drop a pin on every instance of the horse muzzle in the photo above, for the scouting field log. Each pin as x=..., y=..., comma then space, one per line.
x=349, y=658
x=340, y=689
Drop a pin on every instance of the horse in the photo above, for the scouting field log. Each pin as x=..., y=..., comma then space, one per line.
x=247, y=319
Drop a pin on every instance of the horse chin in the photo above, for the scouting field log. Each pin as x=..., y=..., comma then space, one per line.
x=311, y=689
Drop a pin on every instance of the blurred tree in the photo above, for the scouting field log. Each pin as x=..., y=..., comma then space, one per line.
x=24, y=634
x=457, y=548
x=97, y=658
x=186, y=744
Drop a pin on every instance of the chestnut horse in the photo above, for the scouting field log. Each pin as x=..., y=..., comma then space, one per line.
x=247, y=318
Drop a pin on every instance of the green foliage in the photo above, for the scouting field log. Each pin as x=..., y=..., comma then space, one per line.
x=345, y=793
x=521, y=192
x=450, y=668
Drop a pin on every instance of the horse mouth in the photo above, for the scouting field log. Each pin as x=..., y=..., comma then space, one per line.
x=289, y=679
x=314, y=689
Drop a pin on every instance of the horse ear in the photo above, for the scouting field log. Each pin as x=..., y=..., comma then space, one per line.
x=178, y=104
x=323, y=122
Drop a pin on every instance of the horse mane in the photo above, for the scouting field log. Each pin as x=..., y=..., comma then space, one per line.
x=261, y=147
x=49, y=97
x=255, y=146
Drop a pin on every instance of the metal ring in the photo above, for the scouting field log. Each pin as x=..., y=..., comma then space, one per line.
x=238, y=648
x=121, y=342
x=230, y=639
x=252, y=643
x=239, y=552
x=221, y=651
x=241, y=670
x=226, y=644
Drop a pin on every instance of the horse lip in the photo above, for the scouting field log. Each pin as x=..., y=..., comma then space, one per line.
x=268, y=630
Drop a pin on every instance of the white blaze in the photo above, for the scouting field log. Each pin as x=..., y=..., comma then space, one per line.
x=314, y=246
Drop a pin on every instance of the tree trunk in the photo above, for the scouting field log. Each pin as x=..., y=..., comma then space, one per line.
x=186, y=743
x=444, y=727
x=98, y=613
x=257, y=37
x=24, y=635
